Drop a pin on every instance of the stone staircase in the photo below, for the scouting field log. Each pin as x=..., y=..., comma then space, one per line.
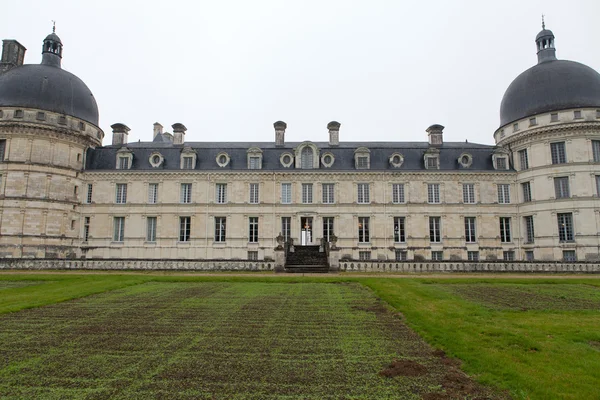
x=306, y=259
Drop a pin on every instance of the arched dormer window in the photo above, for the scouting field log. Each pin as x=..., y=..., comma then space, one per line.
x=307, y=156
x=124, y=158
x=188, y=158
x=254, y=158
x=362, y=158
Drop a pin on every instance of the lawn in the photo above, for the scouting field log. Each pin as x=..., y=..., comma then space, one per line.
x=152, y=336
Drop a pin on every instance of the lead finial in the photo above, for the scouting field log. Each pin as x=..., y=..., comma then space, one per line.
x=53, y=26
x=543, y=23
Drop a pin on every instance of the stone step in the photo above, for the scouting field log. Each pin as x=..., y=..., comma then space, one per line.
x=307, y=269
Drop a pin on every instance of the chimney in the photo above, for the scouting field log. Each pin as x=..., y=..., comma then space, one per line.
x=13, y=55
x=158, y=130
x=334, y=133
x=280, y=128
x=120, y=134
x=179, y=133
x=436, y=136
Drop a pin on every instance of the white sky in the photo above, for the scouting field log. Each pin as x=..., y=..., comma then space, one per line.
x=227, y=70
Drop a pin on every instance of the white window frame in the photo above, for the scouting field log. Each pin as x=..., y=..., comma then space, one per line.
x=121, y=193
x=254, y=193
x=152, y=193
x=470, y=229
x=468, y=190
x=505, y=229
x=328, y=228
x=119, y=229
x=503, y=193
x=253, y=230
x=185, y=229
x=398, y=195
x=529, y=229
x=435, y=229
x=286, y=193
x=90, y=190
x=220, y=229
x=363, y=193
x=558, y=153
x=562, y=188
x=151, y=223
x=433, y=193
x=526, y=188
x=596, y=150
x=364, y=235
x=566, y=231
x=328, y=190
x=221, y=193
x=399, y=229
x=307, y=193
x=185, y=193
x=523, y=159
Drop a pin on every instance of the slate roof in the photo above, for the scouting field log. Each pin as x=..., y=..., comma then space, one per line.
x=104, y=158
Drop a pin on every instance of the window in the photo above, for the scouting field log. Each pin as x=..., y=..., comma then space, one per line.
x=41, y=116
x=86, y=229
x=152, y=193
x=469, y=193
x=75, y=191
x=526, y=186
x=501, y=163
x=597, y=114
x=577, y=114
x=401, y=255
x=399, y=229
x=598, y=185
x=505, y=230
x=286, y=227
x=433, y=193
x=254, y=193
x=253, y=230
x=254, y=162
x=503, y=193
x=188, y=163
x=150, y=229
x=529, y=255
x=363, y=230
x=432, y=163
x=363, y=193
x=88, y=197
x=364, y=255
x=554, y=117
x=508, y=255
x=327, y=159
x=473, y=255
x=307, y=193
x=2, y=149
x=557, y=151
x=532, y=121
x=595, y=150
x=62, y=120
x=123, y=162
x=437, y=255
x=569, y=255
x=561, y=187
x=434, y=229
x=565, y=227
x=119, y=229
x=327, y=228
x=306, y=158
x=186, y=193
x=221, y=193
x=185, y=228
x=470, y=236
x=220, y=229
x=286, y=193
x=398, y=193
x=222, y=159
x=286, y=160
x=523, y=159
x=515, y=127
x=253, y=255
x=328, y=196
x=121, y=193
x=362, y=162
x=529, y=232
x=19, y=113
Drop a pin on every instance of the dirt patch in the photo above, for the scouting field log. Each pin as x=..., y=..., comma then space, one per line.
x=595, y=344
x=403, y=368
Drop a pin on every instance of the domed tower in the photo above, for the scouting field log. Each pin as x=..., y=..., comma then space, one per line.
x=48, y=119
x=550, y=122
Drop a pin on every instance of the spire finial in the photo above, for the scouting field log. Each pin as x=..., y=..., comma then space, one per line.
x=53, y=26
x=543, y=23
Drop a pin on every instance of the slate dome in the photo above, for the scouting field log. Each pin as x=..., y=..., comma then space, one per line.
x=551, y=85
x=48, y=87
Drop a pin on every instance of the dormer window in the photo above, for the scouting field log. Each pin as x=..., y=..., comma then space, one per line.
x=515, y=127
x=577, y=114
x=62, y=120
x=223, y=159
x=500, y=159
x=1, y=114
x=532, y=121
x=40, y=116
x=156, y=159
x=188, y=158
x=465, y=160
x=307, y=156
x=362, y=158
x=501, y=163
x=396, y=160
x=327, y=160
x=432, y=162
x=431, y=159
x=81, y=126
x=286, y=160
x=597, y=114
x=19, y=113
x=124, y=158
x=254, y=158
x=188, y=162
x=554, y=117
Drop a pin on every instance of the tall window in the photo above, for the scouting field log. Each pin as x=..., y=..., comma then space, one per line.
x=435, y=229
x=363, y=230
x=254, y=162
x=398, y=193
x=327, y=228
x=86, y=229
x=558, y=153
x=561, y=187
x=565, y=227
x=152, y=193
x=501, y=163
x=469, y=193
x=254, y=193
x=185, y=228
x=529, y=232
x=253, y=229
x=505, y=236
x=150, y=229
x=286, y=193
x=2, y=149
x=221, y=193
x=307, y=193
x=526, y=186
x=362, y=162
x=363, y=193
x=470, y=235
x=399, y=229
x=119, y=229
x=123, y=162
x=188, y=162
x=286, y=227
x=433, y=193
x=328, y=196
x=598, y=185
x=306, y=158
x=595, y=150
x=523, y=159
x=90, y=189
x=121, y=193
x=503, y=193
x=186, y=193
x=220, y=229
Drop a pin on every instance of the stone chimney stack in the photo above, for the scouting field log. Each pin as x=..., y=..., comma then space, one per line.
x=334, y=133
x=436, y=135
x=120, y=134
x=178, y=133
x=13, y=55
x=158, y=130
x=280, y=128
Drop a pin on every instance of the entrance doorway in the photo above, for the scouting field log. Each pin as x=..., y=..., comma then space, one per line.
x=306, y=235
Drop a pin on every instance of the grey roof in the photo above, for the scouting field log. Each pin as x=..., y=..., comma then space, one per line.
x=104, y=158
x=544, y=33
x=550, y=86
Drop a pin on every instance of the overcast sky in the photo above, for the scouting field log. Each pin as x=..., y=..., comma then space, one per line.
x=227, y=70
